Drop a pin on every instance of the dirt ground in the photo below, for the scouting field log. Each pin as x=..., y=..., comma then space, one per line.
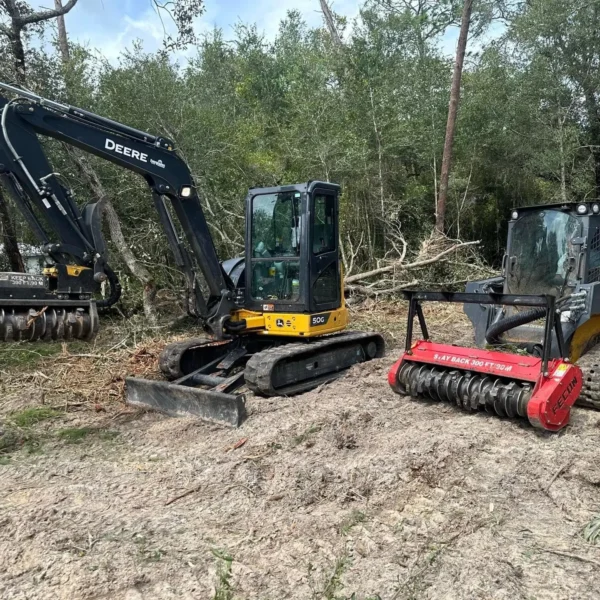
x=346, y=492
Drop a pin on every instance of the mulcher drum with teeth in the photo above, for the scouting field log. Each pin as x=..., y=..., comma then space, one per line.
x=539, y=389
x=508, y=385
x=28, y=313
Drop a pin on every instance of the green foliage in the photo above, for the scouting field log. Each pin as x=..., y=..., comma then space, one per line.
x=370, y=115
x=27, y=355
x=32, y=416
x=591, y=533
x=223, y=586
x=356, y=517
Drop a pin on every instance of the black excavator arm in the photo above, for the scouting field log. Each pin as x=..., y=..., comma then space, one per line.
x=38, y=190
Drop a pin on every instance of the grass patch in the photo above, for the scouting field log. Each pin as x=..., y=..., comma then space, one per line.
x=4, y=460
x=591, y=533
x=354, y=518
x=10, y=440
x=13, y=439
x=329, y=589
x=303, y=437
x=27, y=355
x=223, y=587
x=31, y=416
x=77, y=435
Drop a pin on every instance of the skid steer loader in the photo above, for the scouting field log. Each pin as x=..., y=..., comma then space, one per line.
x=539, y=320
x=274, y=317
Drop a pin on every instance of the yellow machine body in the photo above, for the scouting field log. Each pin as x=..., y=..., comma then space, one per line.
x=294, y=324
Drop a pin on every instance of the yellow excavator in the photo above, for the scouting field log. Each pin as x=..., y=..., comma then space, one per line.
x=275, y=317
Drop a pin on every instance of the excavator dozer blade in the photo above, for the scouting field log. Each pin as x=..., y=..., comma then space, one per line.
x=184, y=401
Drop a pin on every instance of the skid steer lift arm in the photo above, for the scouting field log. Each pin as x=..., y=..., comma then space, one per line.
x=537, y=388
x=30, y=177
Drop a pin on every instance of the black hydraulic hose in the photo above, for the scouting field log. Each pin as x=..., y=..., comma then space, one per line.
x=492, y=335
x=235, y=327
x=115, y=289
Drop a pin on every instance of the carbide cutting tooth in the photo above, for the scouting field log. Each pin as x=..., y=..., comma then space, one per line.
x=463, y=391
x=523, y=395
x=472, y=398
x=434, y=384
x=405, y=376
x=445, y=382
x=455, y=378
x=505, y=400
x=421, y=380
x=495, y=396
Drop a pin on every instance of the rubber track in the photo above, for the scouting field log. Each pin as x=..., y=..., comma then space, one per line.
x=261, y=366
x=169, y=360
x=590, y=365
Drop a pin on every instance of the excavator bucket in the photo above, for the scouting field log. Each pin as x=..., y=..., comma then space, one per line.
x=509, y=385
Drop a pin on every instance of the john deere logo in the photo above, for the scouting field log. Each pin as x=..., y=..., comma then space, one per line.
x=279, y=323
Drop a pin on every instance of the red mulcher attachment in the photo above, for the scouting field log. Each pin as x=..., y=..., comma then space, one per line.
x=542, y=390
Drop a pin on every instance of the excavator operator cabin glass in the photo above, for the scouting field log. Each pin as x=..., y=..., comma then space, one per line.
x=324, y=224
x=542, y=256
x=275, y=239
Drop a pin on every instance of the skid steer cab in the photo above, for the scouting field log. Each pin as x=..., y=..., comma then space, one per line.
x=551, y=250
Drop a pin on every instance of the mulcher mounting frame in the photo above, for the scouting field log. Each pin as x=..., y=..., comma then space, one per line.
x=548, y=302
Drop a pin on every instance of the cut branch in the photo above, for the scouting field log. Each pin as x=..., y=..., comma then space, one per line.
x=415, y=265
x=43, y=15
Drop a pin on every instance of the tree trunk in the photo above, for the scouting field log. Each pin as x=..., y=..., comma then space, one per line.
x=9, y=232
x=452, y=113
x=116, y=232
x=593, y=117
x=9, y=237
x=563, y=168
x=18, y=52
x=63, y=42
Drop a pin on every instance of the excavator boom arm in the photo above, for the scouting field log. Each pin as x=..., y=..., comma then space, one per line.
x=31, y=178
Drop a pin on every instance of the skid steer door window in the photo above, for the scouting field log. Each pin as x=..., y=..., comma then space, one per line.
x=275, y=247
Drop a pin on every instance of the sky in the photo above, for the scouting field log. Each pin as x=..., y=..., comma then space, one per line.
x=112, y=25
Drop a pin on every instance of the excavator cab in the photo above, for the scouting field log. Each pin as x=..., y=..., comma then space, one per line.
x=292, y=254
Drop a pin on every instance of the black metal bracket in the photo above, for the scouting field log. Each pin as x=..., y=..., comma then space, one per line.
x=415, y=299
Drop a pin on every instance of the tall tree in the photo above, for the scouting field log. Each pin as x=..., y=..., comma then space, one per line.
x=19, y=17
x=564, y=35
x=452, y=113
